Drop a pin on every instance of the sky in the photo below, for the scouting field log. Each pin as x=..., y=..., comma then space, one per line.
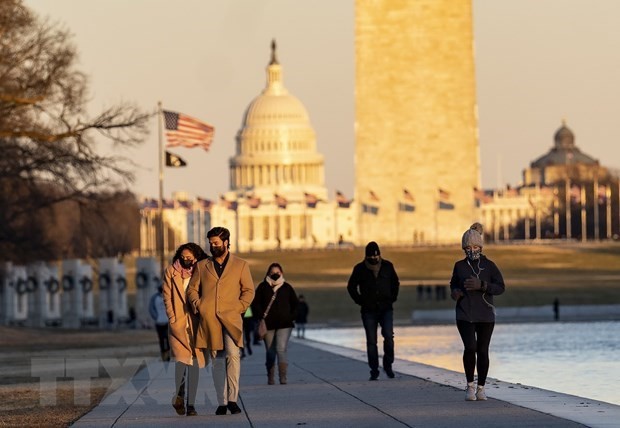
x=538, y=62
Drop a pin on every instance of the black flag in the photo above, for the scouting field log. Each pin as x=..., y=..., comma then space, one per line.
x=174, y=160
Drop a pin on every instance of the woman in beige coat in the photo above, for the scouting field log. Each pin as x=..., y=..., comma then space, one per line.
x=183, y=325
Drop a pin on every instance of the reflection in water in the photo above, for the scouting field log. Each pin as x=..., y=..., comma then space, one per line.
x=573, y=358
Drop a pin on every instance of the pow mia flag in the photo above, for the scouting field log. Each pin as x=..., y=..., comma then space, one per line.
x=174, y=160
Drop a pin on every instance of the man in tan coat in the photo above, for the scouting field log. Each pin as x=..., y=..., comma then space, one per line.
x=220, y=291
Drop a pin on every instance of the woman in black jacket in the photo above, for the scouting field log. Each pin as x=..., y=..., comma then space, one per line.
x=280, y=318
x=475, y=280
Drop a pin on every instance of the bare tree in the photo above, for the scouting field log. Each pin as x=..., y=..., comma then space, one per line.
x=46, y=136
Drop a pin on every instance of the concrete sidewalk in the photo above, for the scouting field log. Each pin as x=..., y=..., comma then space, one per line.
x=328, y=387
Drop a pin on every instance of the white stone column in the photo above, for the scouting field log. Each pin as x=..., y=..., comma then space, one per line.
x=112, y=293
x=45, y=309
x=15, y=293
x=34, y=287
x=77, y=294
x=147, y=281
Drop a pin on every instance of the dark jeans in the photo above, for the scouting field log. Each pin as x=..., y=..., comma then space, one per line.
x=162, y=334
x=476, y=338
x=249, y=329
x=372, y=320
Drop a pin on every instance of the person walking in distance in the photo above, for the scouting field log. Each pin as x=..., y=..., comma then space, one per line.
x=374, y=285
x=182, y=327
x=302, y=317
x=278, y=299
x=475, y=280
x=220, y=291
x=248, y=331
x=157, y=311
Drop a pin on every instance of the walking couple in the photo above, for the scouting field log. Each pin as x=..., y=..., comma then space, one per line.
x=205, y=298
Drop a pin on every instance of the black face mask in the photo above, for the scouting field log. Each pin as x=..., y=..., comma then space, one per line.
x=217, y=251
x=274, y=276
x=372, y=260
x=187, y=263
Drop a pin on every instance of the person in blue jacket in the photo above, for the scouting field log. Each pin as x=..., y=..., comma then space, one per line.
x=475, y=280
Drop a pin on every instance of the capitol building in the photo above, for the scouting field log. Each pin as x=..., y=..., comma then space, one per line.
x=277, y=197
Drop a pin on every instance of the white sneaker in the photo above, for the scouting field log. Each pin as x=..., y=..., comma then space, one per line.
x=480, y=394
x=470, y=393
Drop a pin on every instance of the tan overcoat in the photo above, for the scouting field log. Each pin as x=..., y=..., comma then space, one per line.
x=220, y=301
x=183, y=323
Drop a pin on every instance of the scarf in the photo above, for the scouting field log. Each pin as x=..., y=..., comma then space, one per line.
x=275, y=284
x=374, y=268
x=185, y=273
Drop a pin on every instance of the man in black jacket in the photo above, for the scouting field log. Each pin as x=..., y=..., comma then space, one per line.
x=374, y=286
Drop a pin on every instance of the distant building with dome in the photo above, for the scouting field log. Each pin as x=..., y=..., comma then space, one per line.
x=565, y=194
x=277, y=197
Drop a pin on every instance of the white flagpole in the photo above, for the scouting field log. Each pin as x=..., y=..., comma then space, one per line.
x=537, y=211
x=556, y=212
x=608, y=213
x=161, y=190
x=596, y=213
x=567, y=209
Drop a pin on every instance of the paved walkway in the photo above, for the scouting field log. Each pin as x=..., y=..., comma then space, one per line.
x=328, y=387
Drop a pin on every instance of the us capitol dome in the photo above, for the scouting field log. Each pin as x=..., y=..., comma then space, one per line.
x=277, y=196
x=276, y=145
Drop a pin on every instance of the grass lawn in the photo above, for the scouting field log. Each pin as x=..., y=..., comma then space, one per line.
x=534, y=275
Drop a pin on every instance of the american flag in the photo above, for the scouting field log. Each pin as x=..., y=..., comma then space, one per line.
x=407, y=206
x=149, y=204
x=311, y=200
x=342, y=201
x=482, y=196
x=281, y=201
x=204, y=204
x=231, y=205
x=167, y=203
x=184, y=204
x=444, y=200
x=185, y=131
x=253, y=201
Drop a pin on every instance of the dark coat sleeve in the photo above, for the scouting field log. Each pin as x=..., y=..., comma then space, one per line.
x=395, y=285
x=495, y=285
x=353, y=286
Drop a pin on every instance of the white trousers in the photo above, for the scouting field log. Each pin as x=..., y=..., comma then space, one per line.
x=226, y=371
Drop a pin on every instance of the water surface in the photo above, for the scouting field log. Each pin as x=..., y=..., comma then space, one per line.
x=578, y=358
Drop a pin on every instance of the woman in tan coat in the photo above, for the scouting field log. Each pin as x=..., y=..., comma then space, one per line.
x=183, y=324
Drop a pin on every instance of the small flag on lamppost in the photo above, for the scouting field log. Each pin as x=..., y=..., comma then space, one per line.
x=174, y=161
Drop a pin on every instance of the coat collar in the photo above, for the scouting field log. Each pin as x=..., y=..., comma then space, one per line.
x=178, y=283
x=211, y=266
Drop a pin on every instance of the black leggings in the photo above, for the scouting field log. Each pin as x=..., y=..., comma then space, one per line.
x=476, y=338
